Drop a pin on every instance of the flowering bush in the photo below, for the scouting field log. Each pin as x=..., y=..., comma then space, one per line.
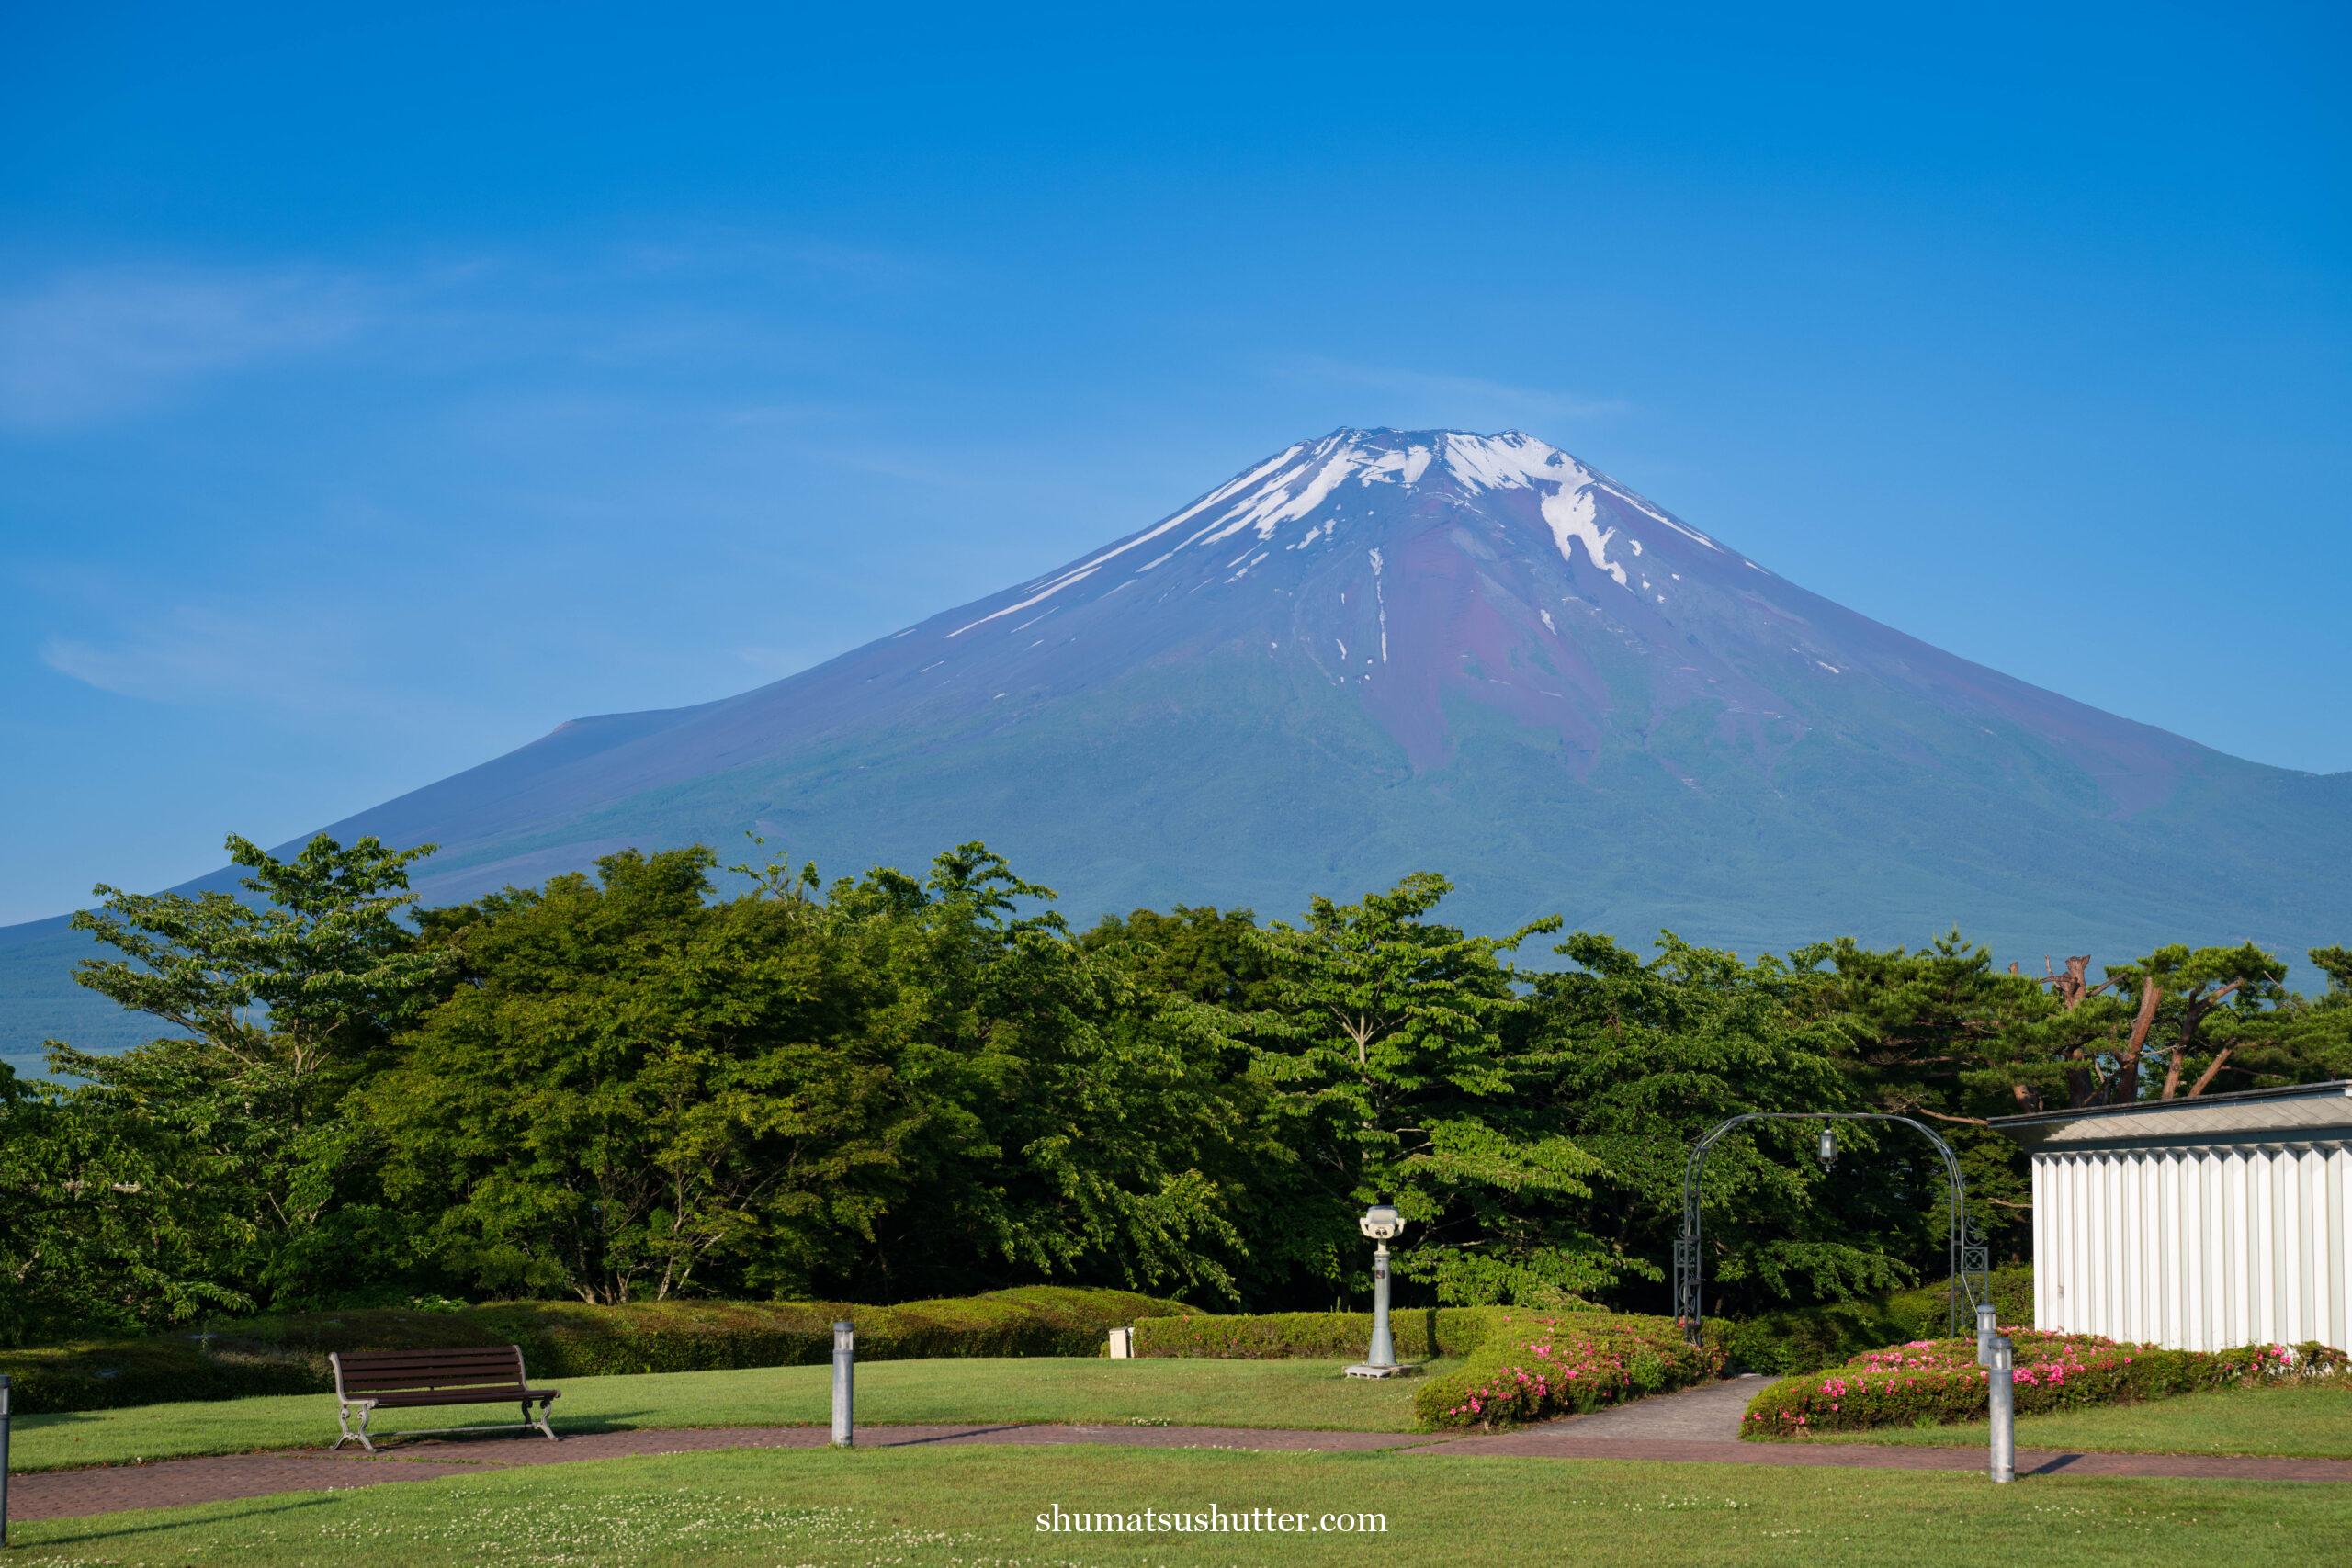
x=1536, y=1365
x=1939, y=1380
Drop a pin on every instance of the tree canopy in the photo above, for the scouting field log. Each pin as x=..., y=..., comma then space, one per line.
x=647, y=1082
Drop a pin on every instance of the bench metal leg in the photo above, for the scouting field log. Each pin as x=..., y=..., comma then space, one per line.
x=342, y=1419
x=357, y=1432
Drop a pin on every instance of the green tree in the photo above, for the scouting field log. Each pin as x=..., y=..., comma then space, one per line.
x=2198, y=1007
x=1387, y=1040
x=1084, y=1127
x=281, y=1002
x=99, y=1230
x=1936, y=1034
x=634, y=1088
x=1647, y=1057
x=2299, y=1039
x=1200, y=953
x=896, y=1089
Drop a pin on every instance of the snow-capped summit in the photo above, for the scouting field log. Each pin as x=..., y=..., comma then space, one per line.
x=1353, y=488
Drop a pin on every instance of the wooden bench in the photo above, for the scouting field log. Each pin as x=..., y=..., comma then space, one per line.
x=369, y=1380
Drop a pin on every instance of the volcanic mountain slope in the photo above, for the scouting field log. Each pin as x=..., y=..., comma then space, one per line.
x=1387, y=650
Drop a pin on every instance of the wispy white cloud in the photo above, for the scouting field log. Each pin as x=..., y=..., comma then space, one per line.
x=1441, y=398
x=88, y=346
x=202, y=657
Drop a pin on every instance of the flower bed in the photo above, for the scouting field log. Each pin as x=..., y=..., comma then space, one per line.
x=1539, y=1365
x=1937, y=1380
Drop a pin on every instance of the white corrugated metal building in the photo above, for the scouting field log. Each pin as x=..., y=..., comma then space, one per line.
x=2197, y=1224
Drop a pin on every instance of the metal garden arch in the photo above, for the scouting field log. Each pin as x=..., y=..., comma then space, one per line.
x=1967, y=1255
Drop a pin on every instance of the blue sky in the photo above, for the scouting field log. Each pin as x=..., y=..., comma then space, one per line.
x=378, y=391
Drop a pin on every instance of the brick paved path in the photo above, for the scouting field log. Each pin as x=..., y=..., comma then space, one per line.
x=71, y=1494
x=1710, y=1410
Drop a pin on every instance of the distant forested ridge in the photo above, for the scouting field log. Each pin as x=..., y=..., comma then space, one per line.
x=626, y=1086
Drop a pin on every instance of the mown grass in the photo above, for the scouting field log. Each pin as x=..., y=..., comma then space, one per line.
x=971, y=1506
x=1178, y=1392
x=2298, y=1421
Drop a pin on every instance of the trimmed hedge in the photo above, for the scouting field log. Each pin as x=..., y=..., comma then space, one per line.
x=1420, y=1333
x=102, y=1376
x=1530, y=1367
x=1809, y=1338
x=1937, y=1380
x=287, y=1353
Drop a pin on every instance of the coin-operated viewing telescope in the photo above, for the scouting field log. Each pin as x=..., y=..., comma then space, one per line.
x=1382, y=1223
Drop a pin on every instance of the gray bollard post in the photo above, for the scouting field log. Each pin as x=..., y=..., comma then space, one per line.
x=1985, y=1330
x=4, y=1462
x=2001, y=1391
x=844, y=1357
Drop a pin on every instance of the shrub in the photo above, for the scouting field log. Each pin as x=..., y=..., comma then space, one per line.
x=573, y=1339
x=1925, y=1311
x=1420, y=1333
x=1805, y=1339
x=1532, y=1366
x=1939, y=1380
x=287, y=1353
x=146, y=1372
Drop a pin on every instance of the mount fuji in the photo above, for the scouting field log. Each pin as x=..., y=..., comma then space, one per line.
x=1387, y=650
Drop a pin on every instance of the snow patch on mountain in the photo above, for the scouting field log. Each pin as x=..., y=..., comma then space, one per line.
x=1298, y=499
x=1051, y=588
x=1644, y=507
x=1407, y=464
x=1571, y=515
x=1511, y=461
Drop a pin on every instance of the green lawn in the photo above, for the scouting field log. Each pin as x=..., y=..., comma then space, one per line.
x=2311, y=1421
x=971, y=1506
x=1175, y=1393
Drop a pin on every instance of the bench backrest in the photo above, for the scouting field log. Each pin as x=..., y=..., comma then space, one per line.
x=358, y=1373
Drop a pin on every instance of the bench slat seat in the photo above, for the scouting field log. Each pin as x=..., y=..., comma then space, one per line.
x=459, y=1396
x=368, y=1381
